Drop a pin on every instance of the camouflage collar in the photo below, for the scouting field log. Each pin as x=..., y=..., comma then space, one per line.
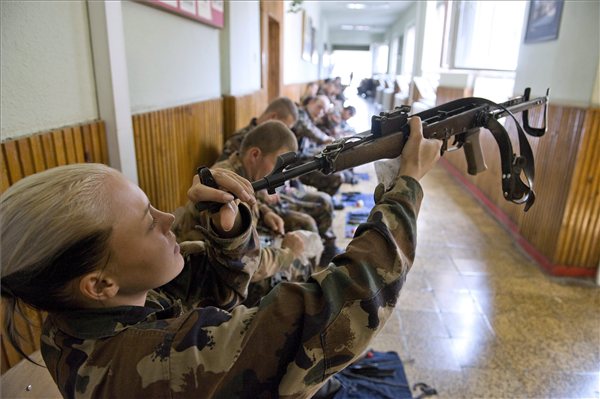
x=102, y=323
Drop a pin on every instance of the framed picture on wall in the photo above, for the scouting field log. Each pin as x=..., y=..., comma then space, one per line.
x=543, y=21
x=209, y=12
x=307, y=37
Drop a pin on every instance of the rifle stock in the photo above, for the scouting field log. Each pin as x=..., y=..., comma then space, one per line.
x=459, y=119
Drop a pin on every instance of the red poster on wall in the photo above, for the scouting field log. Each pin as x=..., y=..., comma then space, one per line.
x=209, y=12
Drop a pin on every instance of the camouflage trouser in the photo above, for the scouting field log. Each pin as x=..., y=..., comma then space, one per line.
x=318, y=205
x=329, y=184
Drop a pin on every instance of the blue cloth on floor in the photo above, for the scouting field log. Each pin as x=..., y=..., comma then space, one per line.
x=380, y=376
x=362, y=176
x=353, y=219
x=351, y=199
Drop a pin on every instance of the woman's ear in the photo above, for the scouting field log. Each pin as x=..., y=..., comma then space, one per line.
x=98, y=287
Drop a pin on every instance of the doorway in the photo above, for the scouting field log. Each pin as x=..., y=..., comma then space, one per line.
x=273, y=55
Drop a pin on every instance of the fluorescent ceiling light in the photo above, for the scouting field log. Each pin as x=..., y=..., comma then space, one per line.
x=362, y=27
x=347, y=27
x=355, y=6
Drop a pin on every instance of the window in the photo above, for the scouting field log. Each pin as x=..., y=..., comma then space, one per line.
x=408, y=52
x=488, y=34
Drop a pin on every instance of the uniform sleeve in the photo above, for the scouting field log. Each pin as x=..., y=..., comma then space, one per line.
x=217, y=270
x=304, y=333
x=273, y=260
x=305, y=128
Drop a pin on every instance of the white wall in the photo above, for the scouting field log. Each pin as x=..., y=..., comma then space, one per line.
x=241, y=35
x=568, y=66
x=47, y=73
x=295, y=69
x=171, y=60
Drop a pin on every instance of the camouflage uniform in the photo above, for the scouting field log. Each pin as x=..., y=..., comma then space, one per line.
x=299, y=335
x=311, y=138
x=306, y=212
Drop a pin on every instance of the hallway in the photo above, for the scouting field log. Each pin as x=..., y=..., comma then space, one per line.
x=477, y=318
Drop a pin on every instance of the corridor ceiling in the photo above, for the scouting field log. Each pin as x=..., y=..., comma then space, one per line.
x=371, y=16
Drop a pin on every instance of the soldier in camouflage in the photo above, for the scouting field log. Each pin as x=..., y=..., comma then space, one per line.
x=281, y=109
x=111, y=332
x=256, y=159
x=312, y=139
x=300, y=210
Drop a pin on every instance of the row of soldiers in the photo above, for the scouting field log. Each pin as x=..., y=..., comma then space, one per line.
x=251, y=152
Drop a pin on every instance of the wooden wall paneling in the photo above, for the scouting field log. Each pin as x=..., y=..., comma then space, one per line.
x=59, y=147
x=555, y=157
x=4, y=181
x=294, y=91
x=69, y=145
x=171, y=144
x=25, y=157
x=580, y=233
x=11, y=154
x=37, y=153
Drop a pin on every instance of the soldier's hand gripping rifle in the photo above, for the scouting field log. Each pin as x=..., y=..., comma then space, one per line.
x=460, y=120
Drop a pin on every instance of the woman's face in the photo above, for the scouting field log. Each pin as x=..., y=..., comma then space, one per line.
x=144, y=254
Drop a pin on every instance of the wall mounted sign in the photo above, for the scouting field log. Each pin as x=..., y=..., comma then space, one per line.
x=209, y=12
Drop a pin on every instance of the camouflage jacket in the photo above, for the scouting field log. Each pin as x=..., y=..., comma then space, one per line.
x=306, y=129
x=298, y=336
x=272, y=260
x=234, y=142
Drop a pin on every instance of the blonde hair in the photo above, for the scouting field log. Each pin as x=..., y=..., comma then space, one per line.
x=54, y=227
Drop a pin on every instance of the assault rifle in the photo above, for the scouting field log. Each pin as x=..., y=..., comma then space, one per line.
x=459, y=119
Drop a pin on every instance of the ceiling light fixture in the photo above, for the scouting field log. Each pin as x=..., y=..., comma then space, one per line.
x=355, y=6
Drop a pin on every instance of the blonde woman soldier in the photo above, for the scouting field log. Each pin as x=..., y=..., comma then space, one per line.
x=130, y=316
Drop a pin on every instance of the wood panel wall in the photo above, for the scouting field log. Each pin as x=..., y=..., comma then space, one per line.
x=171, y=144
x=24, y=156
x=562, y=227
x=239, y=110
x=294, y=91
x=579, y=239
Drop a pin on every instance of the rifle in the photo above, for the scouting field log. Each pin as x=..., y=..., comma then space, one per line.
x=459, y=119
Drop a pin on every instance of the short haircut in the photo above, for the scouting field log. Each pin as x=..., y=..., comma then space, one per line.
x=269, y=137
x=350, y=109
x=282, y=107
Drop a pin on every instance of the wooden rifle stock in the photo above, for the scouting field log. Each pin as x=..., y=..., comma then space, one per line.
x=459, y=119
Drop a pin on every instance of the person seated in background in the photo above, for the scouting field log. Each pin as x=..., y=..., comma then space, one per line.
x=312, y=140
x=335, y=124
x=129, y=316
x=281, y=109
x=310, y=91
x=299, y=209
x=259, y=150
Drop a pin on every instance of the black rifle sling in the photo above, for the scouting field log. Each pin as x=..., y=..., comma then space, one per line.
x=514, y=189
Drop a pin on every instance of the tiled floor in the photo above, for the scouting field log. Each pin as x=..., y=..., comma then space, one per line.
x=477, y=318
